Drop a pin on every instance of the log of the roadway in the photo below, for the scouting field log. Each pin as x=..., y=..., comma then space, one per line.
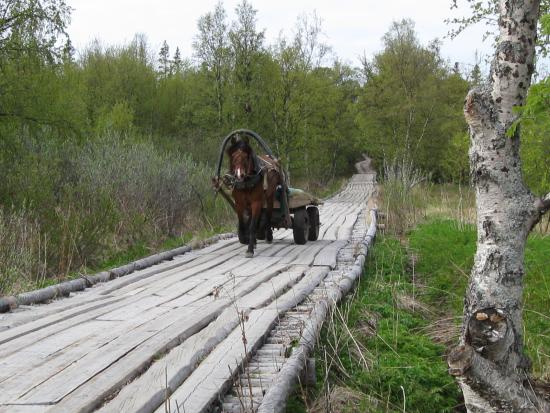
x=170, y=337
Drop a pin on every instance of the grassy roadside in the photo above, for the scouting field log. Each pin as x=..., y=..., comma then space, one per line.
x=384, y=350
x=132, y=253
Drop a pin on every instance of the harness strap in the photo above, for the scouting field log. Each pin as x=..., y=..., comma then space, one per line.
x=249, y=182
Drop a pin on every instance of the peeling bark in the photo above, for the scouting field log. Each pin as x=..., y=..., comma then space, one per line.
x=490, y=362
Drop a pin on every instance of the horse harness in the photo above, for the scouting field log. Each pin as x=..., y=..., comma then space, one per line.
x=262, y=164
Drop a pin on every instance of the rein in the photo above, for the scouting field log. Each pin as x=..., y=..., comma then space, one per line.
x=249, y=181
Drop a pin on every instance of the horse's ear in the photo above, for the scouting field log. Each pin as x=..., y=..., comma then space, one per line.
x=231, y=145
x=246, y=139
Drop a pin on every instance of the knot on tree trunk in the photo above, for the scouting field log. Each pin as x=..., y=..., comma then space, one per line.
x=487, y=332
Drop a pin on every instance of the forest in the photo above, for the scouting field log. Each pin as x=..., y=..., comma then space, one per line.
x=109, y=150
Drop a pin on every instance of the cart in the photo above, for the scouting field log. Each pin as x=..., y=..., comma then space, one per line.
x=292, y=208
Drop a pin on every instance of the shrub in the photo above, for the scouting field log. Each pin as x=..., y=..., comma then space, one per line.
x=100, y=197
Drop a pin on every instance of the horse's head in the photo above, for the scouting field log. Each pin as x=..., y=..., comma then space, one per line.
x=241, y=161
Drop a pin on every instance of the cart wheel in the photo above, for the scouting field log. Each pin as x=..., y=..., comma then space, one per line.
x=300, y=226
x=313, y=216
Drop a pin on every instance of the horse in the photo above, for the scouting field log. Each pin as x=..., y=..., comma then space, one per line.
x=255, y=181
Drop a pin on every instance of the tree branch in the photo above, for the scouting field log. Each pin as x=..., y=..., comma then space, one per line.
x=543, y=204
x=486, y=379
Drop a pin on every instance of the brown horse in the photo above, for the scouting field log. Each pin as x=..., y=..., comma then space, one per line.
x=255, y=181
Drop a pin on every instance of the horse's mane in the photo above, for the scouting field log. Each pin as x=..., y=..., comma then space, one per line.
x=240, y=144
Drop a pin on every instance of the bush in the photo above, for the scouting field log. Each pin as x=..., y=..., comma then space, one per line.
x=101, y=197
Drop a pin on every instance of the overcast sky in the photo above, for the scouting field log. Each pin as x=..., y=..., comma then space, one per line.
x=351, y=27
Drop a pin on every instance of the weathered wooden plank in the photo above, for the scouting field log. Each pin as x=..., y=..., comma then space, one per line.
x=181, y=280
x=25, y=329
x=345, y=230
x=86, y=396
x=39, y=408
x=281, y=234
x=328, y=219
x=327, y=256
x=283, y=252
x=117, y=284
x=19, y=363
x=25, y=314
x=149, y=391
x=31, y=367
x=90, y=395
x=271, y=289
x=275, y=247
x=72, y=377
x=332, y=231
x=252, y=266
x=214, y=374
x=216, y=371
x=175, y=290
x=160, y=281
x=218, y=247
x=227, y=286
x=305, y=254
x=102, y=305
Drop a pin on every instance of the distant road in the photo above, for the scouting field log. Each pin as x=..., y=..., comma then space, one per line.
x=364, y=166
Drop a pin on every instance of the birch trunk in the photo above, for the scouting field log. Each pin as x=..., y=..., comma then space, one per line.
x=490, y=362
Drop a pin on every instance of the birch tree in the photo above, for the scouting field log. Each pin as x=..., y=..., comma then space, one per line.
x=490, y=363
x=211, y=47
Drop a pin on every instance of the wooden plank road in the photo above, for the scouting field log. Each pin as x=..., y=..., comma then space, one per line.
x=172, y=335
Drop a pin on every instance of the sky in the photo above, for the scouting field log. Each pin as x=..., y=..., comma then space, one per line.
x=350, y=27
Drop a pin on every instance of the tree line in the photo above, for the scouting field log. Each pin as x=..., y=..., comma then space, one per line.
x=316, y=111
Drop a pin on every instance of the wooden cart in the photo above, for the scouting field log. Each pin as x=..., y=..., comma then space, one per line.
x=292, y=208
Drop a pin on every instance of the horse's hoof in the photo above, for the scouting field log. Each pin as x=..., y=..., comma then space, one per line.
x=249, y=254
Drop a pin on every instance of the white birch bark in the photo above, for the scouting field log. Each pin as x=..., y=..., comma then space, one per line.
x=490, y=363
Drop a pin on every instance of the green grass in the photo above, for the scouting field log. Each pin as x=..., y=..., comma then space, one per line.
x=406, y=369
x=536, y=296
x=446, y=255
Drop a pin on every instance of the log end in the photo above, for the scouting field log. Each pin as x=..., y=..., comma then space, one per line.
x=460, y=360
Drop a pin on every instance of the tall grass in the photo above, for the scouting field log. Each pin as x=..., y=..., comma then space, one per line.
x=22, y=250
x=408, y=198
x=403, y=195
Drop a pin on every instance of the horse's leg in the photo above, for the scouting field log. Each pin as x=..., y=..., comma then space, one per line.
x=241, y=226
x=242, y=230
x=256, y=210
